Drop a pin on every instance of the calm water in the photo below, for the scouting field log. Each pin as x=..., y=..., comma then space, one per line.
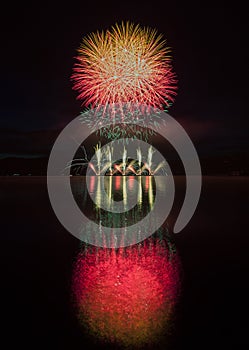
x=39, y=255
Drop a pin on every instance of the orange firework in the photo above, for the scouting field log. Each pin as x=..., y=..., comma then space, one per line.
x=125, y=65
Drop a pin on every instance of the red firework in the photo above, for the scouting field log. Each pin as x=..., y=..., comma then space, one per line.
x=124, y=65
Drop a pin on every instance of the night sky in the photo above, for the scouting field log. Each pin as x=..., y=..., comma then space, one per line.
x=38, y=46
x=210, y=57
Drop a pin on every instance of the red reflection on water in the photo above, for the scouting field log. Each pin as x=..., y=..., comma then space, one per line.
x=147, y=182
x=92, y=184
x=131, y=182
x=117, y=182
x=127, y=296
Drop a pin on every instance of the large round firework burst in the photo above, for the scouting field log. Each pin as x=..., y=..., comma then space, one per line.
x=126, y=64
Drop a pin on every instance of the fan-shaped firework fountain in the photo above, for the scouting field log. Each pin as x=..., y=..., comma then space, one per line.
x=105, y=165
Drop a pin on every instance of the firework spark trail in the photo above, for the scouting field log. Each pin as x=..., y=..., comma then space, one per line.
x=109, y=157
x=149, y=159
x=139, y=157
x=126, y=64
x=124, y=158
x=98, y=154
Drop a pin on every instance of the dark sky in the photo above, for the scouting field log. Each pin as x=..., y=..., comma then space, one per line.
x=208, y=42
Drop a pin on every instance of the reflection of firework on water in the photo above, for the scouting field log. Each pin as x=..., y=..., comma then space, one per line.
x=103, y=163
x=126, y=64
x=141, y=190
x=127, y=296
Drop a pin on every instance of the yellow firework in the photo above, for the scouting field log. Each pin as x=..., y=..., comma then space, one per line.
x=126, y=64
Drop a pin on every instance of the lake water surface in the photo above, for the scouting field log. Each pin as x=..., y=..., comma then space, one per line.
x=40, y=261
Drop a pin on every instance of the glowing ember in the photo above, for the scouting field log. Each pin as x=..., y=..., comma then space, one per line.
x=127, y=296
x=125, y=64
